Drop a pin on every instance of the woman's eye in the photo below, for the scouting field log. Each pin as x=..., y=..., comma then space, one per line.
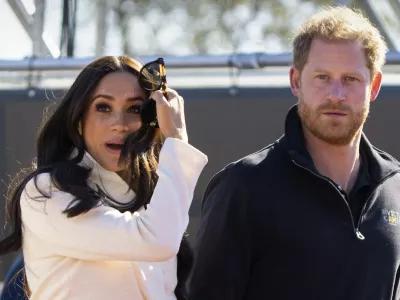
x=102, y=107
x=135, y=109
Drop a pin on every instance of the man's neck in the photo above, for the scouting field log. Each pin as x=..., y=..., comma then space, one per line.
x=339, y=163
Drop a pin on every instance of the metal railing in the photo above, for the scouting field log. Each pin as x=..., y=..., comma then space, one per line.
x=240, y=61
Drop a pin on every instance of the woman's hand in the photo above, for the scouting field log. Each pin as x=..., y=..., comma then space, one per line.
x=171, y=114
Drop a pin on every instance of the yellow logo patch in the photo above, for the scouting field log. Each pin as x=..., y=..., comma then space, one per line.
x=391, y=216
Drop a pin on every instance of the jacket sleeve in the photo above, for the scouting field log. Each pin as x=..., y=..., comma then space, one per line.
x=106, y=234
x=223, y=242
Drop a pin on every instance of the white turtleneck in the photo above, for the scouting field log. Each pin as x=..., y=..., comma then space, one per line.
x=105, y=254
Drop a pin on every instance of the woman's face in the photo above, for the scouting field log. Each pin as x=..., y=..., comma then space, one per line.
x=113, y=113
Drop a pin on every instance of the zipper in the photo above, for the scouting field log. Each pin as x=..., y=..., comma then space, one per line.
x=357, y=232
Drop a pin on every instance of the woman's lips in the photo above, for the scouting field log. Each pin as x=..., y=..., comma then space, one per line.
x=114, y=148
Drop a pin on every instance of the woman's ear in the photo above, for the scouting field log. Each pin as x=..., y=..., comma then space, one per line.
x=80, y=128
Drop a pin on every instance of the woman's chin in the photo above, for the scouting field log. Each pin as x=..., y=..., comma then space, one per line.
x=111, y=165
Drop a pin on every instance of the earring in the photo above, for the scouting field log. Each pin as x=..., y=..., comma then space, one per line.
x=80, y=128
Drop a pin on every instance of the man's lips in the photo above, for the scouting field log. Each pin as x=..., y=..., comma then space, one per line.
x=335, y=113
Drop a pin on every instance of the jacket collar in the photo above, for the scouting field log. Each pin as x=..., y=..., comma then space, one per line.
x=108, y=181
x=380, y=164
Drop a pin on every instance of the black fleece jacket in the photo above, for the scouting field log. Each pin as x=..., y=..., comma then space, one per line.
x=272, y=227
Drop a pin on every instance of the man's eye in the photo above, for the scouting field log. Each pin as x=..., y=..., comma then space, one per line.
x=351, y=78
x=322, y=77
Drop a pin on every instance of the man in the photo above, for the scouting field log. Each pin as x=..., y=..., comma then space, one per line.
x=315, y=215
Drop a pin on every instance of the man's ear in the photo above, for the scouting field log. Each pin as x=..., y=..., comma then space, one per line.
x=376, y=86
x=294, y=81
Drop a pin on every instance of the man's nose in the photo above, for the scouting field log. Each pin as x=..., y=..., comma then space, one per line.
x=337, y=91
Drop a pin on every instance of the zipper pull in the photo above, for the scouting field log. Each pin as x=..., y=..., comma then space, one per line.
x=359, y=235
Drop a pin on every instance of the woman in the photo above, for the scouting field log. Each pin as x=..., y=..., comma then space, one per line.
x=97, y=224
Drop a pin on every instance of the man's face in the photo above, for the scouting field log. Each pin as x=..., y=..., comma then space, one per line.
x=334, y=90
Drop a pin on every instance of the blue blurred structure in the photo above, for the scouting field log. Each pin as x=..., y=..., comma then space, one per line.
x=13, y=283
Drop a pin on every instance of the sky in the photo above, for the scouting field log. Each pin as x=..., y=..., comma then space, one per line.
x=16, y=42
x=18, y=45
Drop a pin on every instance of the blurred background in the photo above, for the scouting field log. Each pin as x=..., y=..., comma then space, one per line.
x=229, y=59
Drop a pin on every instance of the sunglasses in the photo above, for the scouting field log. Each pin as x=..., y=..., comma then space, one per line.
x=152, y=77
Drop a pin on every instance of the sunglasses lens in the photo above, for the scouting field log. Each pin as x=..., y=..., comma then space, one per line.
x=150, y=77
x=148, y=112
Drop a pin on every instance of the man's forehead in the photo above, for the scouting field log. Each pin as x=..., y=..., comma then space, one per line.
x=337, y=51
x=337, y=56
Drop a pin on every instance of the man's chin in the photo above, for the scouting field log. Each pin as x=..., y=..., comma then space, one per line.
x=335, y=138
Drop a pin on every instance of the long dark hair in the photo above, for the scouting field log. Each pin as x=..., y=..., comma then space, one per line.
x=58, y=138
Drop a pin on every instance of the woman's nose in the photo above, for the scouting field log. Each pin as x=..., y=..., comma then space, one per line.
x=119, y=122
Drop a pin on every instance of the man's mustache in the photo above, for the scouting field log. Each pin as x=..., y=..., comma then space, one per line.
x=339, y=106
